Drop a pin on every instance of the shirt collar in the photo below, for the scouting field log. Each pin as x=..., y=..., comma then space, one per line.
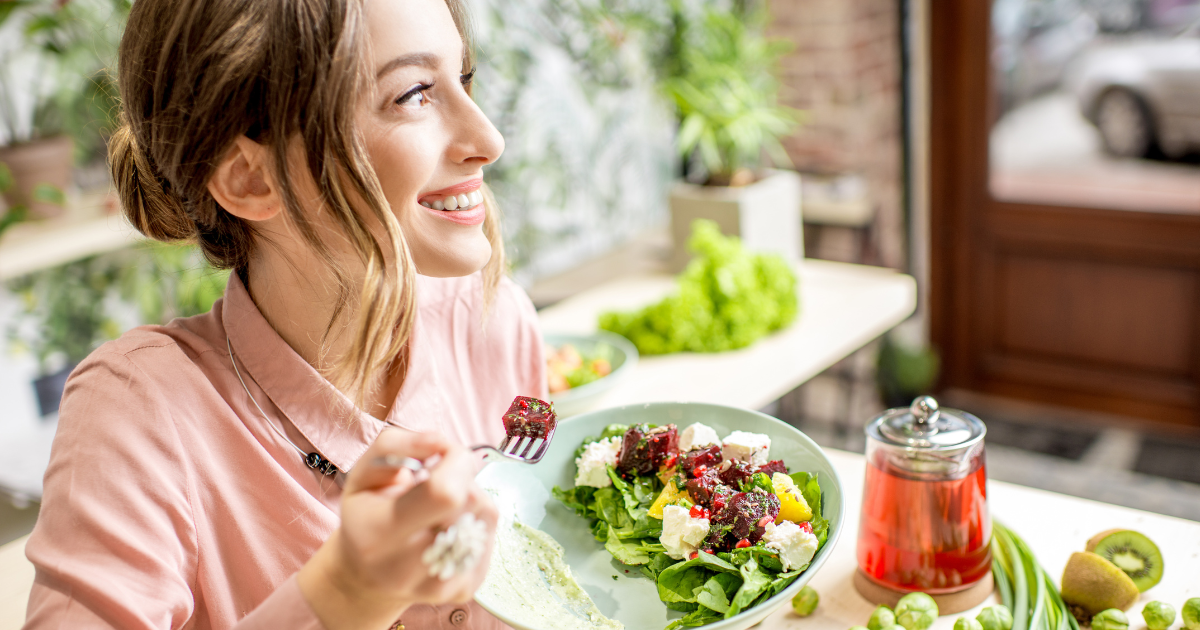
x=330, y=421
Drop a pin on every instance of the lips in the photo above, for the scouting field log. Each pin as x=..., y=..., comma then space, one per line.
x=459, y=197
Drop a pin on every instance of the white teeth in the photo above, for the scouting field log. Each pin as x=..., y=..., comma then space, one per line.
x=451, y=202
x=426, y=204
x=476, y=197
x=438, y=205
x=463, y=202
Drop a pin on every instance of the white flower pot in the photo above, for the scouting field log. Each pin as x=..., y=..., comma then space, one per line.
x=765, y=215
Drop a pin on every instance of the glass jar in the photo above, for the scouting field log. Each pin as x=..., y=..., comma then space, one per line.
x=924, y=524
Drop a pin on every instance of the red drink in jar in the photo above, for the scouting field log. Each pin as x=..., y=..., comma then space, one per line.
x=923, y=535
x=925, y=524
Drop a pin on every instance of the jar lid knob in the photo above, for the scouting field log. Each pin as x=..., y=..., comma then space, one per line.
x=925, y=410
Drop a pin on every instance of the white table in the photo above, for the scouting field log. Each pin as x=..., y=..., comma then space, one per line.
x=1053, y=525
x=842, y=307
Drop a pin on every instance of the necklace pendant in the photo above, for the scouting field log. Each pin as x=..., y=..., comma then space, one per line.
x=316, y=462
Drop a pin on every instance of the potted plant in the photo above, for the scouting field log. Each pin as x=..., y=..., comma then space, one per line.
x=720, y=77
x=65, y=317
x=56, y=98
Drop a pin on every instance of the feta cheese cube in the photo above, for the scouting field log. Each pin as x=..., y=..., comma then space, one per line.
x=591, y=464
x=747, y=447
x=795, y=546
x=696, y=436
x=682, y=534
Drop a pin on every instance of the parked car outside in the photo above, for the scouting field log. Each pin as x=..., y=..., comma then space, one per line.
x=1143, y=92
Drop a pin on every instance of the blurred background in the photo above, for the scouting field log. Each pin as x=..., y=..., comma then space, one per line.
x=1032, y=163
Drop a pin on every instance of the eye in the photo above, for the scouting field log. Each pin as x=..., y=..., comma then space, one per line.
x=415, y=95
x=467, y=78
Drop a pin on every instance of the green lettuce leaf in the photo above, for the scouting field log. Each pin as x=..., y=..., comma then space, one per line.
x=754, y=582
x=812, y=494
x=702, y=617
x=717, y=591
x=626, y=551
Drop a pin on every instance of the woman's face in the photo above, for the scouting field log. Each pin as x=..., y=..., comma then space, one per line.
x=427, y=139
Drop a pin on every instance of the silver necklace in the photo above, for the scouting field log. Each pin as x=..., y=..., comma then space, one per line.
x=313, y=460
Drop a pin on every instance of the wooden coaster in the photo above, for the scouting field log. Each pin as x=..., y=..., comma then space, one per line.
x=948, y=603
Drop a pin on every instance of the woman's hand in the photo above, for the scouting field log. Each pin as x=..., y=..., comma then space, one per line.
x=370, y=570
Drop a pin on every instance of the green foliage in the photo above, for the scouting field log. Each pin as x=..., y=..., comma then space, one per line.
x=67, y=305
x=726, y=94
x=67, y=309
x=904, y=373
x=177, y=282
x=71, y=45
x=727, y=299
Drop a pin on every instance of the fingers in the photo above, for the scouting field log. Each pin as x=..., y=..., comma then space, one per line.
x=440, y=499
x=393, y=444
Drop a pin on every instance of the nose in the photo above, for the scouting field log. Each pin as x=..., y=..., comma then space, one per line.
x=476, y=140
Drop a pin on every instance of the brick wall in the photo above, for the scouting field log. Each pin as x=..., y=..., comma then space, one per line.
x=845, y=72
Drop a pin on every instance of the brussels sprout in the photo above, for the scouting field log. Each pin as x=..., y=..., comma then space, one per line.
x=895, y=626
x=995, y=618
x=881, y=618
x=1111, y=619
x=966, y=623
x=858, y=628
x=1191, y=614
x=1158, y=615
x=805, y=602
x=916, y=611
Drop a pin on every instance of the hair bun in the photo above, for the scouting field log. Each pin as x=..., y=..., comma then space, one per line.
x=146, y=198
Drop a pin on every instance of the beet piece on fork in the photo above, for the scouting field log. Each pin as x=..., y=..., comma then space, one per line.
x=529, y=417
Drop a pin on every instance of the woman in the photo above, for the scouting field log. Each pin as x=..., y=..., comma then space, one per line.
x=234, y=469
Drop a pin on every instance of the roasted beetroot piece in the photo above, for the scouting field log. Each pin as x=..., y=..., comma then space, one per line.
x=745, y=516
x=644, y=449
x=736, y=473
x=702, y=486
x=772, y=467
x=707, y=457
x=529, y=417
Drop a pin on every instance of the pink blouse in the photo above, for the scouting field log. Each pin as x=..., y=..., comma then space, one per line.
x=171, y=503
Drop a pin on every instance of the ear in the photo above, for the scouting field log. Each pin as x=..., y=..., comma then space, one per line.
x=244, y=185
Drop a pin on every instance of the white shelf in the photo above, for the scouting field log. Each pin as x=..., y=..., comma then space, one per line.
x=86, y=229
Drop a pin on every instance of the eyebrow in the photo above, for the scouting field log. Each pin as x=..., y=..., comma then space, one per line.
x=428, y=60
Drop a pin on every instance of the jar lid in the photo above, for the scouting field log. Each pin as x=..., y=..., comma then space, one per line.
x=924, y=425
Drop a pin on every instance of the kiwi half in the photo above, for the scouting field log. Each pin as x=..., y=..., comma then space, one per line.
x=1091, y=584
x=1132, y=552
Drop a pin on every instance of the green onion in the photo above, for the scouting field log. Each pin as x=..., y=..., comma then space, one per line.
x=1025, y=587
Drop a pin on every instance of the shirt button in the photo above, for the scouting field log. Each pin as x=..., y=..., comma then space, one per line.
x=458, y=617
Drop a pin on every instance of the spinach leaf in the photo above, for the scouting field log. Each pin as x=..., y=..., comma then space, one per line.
x=782, y=581
x=614, y=430
x=703, y=616
x=658, y=562
x=754, y=581
x=683, y=606
x=580, y=498
x=626, y=551
x=679, y=582
x=766, y=558
x=608, y=507
x=812, y=495
x=717, y=590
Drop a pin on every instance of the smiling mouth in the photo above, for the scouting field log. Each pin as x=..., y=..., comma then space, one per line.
x=461, y=201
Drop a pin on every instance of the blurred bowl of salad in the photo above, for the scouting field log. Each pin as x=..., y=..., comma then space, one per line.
x=582, y=369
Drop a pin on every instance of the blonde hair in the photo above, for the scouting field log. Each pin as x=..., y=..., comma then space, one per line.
x=196, y=74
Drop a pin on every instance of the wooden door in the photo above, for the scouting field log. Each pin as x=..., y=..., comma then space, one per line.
x=1051, y=285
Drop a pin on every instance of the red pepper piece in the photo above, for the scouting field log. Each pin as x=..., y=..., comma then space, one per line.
x=742, y=544
x=695, y=554
x=696, y=512
x=806, y=526
x=699, y=471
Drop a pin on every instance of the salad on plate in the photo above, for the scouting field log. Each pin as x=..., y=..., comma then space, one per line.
x=718, y=525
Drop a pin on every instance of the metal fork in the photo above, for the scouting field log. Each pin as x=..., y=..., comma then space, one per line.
x=513, y=447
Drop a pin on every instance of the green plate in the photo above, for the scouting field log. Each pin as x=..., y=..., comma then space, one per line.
x=633, y=599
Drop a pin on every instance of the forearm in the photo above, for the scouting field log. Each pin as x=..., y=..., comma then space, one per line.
x=339, y=601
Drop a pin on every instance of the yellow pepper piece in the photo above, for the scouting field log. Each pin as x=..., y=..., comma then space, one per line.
x=669, y=496
x=792, y=506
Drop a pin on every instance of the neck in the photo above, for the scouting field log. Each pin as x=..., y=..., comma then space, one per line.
x=298, y=296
